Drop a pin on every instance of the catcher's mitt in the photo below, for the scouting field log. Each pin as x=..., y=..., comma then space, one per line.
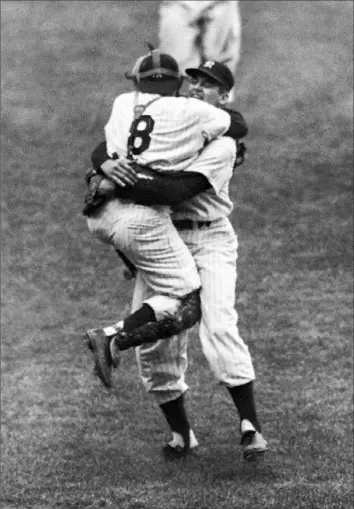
x=99, y=190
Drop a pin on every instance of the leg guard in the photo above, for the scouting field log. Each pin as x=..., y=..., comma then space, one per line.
x=187, y=315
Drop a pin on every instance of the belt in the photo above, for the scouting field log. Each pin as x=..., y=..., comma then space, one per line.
x=188, y=224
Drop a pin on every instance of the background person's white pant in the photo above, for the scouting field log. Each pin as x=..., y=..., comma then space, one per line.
x=148, y=238
x=162, y=365
x=221, y=39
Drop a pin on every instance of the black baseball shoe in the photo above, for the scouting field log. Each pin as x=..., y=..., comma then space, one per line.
x=252, y=442
x=176, y=448
x=253, y=445
x=98, y=343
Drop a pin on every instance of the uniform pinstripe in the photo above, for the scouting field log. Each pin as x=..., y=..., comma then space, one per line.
x=181, y=127
x=162, y=365
x=146, y=235
x=212, y=242
x=148, y=238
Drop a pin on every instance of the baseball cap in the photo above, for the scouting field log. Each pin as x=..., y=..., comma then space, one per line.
x=155, y=65
x=216, y=70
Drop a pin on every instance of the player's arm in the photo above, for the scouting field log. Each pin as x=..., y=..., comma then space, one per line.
x=160, y=189
x=238, y=128
x=215, y=123
x=112, y=127
x=105, y=165
x=169, y=189
x=99, y=155
x=211, y=169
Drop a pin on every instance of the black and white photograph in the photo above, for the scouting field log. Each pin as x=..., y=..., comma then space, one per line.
x=176, y=254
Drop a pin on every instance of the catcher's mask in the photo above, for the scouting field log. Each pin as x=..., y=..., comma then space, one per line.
x=156, y=73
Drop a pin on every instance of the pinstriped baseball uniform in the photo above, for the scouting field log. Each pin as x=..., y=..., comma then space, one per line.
x=174, y=131
x=220, y=39
x=181, y=128
x=162, y=365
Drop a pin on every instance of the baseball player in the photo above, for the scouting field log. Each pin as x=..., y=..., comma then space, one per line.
x=203, y=224
x=196, y=31
x=152, y=127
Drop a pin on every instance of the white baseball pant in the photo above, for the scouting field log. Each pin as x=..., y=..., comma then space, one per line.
x=221, y=38
x=162, y=365
x=147, y=236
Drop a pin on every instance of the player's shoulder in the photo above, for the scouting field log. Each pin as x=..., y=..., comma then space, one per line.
x=198, y=104
x=131, y=99
x=125, y=97
x=172, y=99
x=185, y=99
x=176, y=104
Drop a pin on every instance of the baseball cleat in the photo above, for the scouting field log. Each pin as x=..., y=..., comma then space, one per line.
x=174, y=453
x=176, y=449
x=253, y=445
x=99, y=345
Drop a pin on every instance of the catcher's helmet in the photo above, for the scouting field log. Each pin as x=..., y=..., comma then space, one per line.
x=152, y=72
x=154, y=65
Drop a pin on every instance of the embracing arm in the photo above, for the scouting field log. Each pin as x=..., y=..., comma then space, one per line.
x=162, y=189
x=99, y=155
x=159, y=189
x=165, y=189
x=238, y=128
x=212, y=169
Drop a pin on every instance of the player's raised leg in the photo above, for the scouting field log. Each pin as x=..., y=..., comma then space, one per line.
x=149, y=239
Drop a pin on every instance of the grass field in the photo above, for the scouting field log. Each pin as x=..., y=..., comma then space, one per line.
x=68, y=443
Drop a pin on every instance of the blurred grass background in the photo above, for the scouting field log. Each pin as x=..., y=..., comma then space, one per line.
x=68, y=443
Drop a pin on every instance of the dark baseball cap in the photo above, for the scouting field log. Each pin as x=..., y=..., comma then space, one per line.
x=216, y=71
x=154, y=65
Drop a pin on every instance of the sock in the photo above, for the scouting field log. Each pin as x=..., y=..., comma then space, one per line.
x=243, y=397
x=176, y=417
x=143, y=315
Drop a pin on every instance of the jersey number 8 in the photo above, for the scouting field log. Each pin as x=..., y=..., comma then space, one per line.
x=139, y=139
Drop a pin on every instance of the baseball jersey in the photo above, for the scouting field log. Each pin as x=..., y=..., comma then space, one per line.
x=169, y=134
x=216, y=164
